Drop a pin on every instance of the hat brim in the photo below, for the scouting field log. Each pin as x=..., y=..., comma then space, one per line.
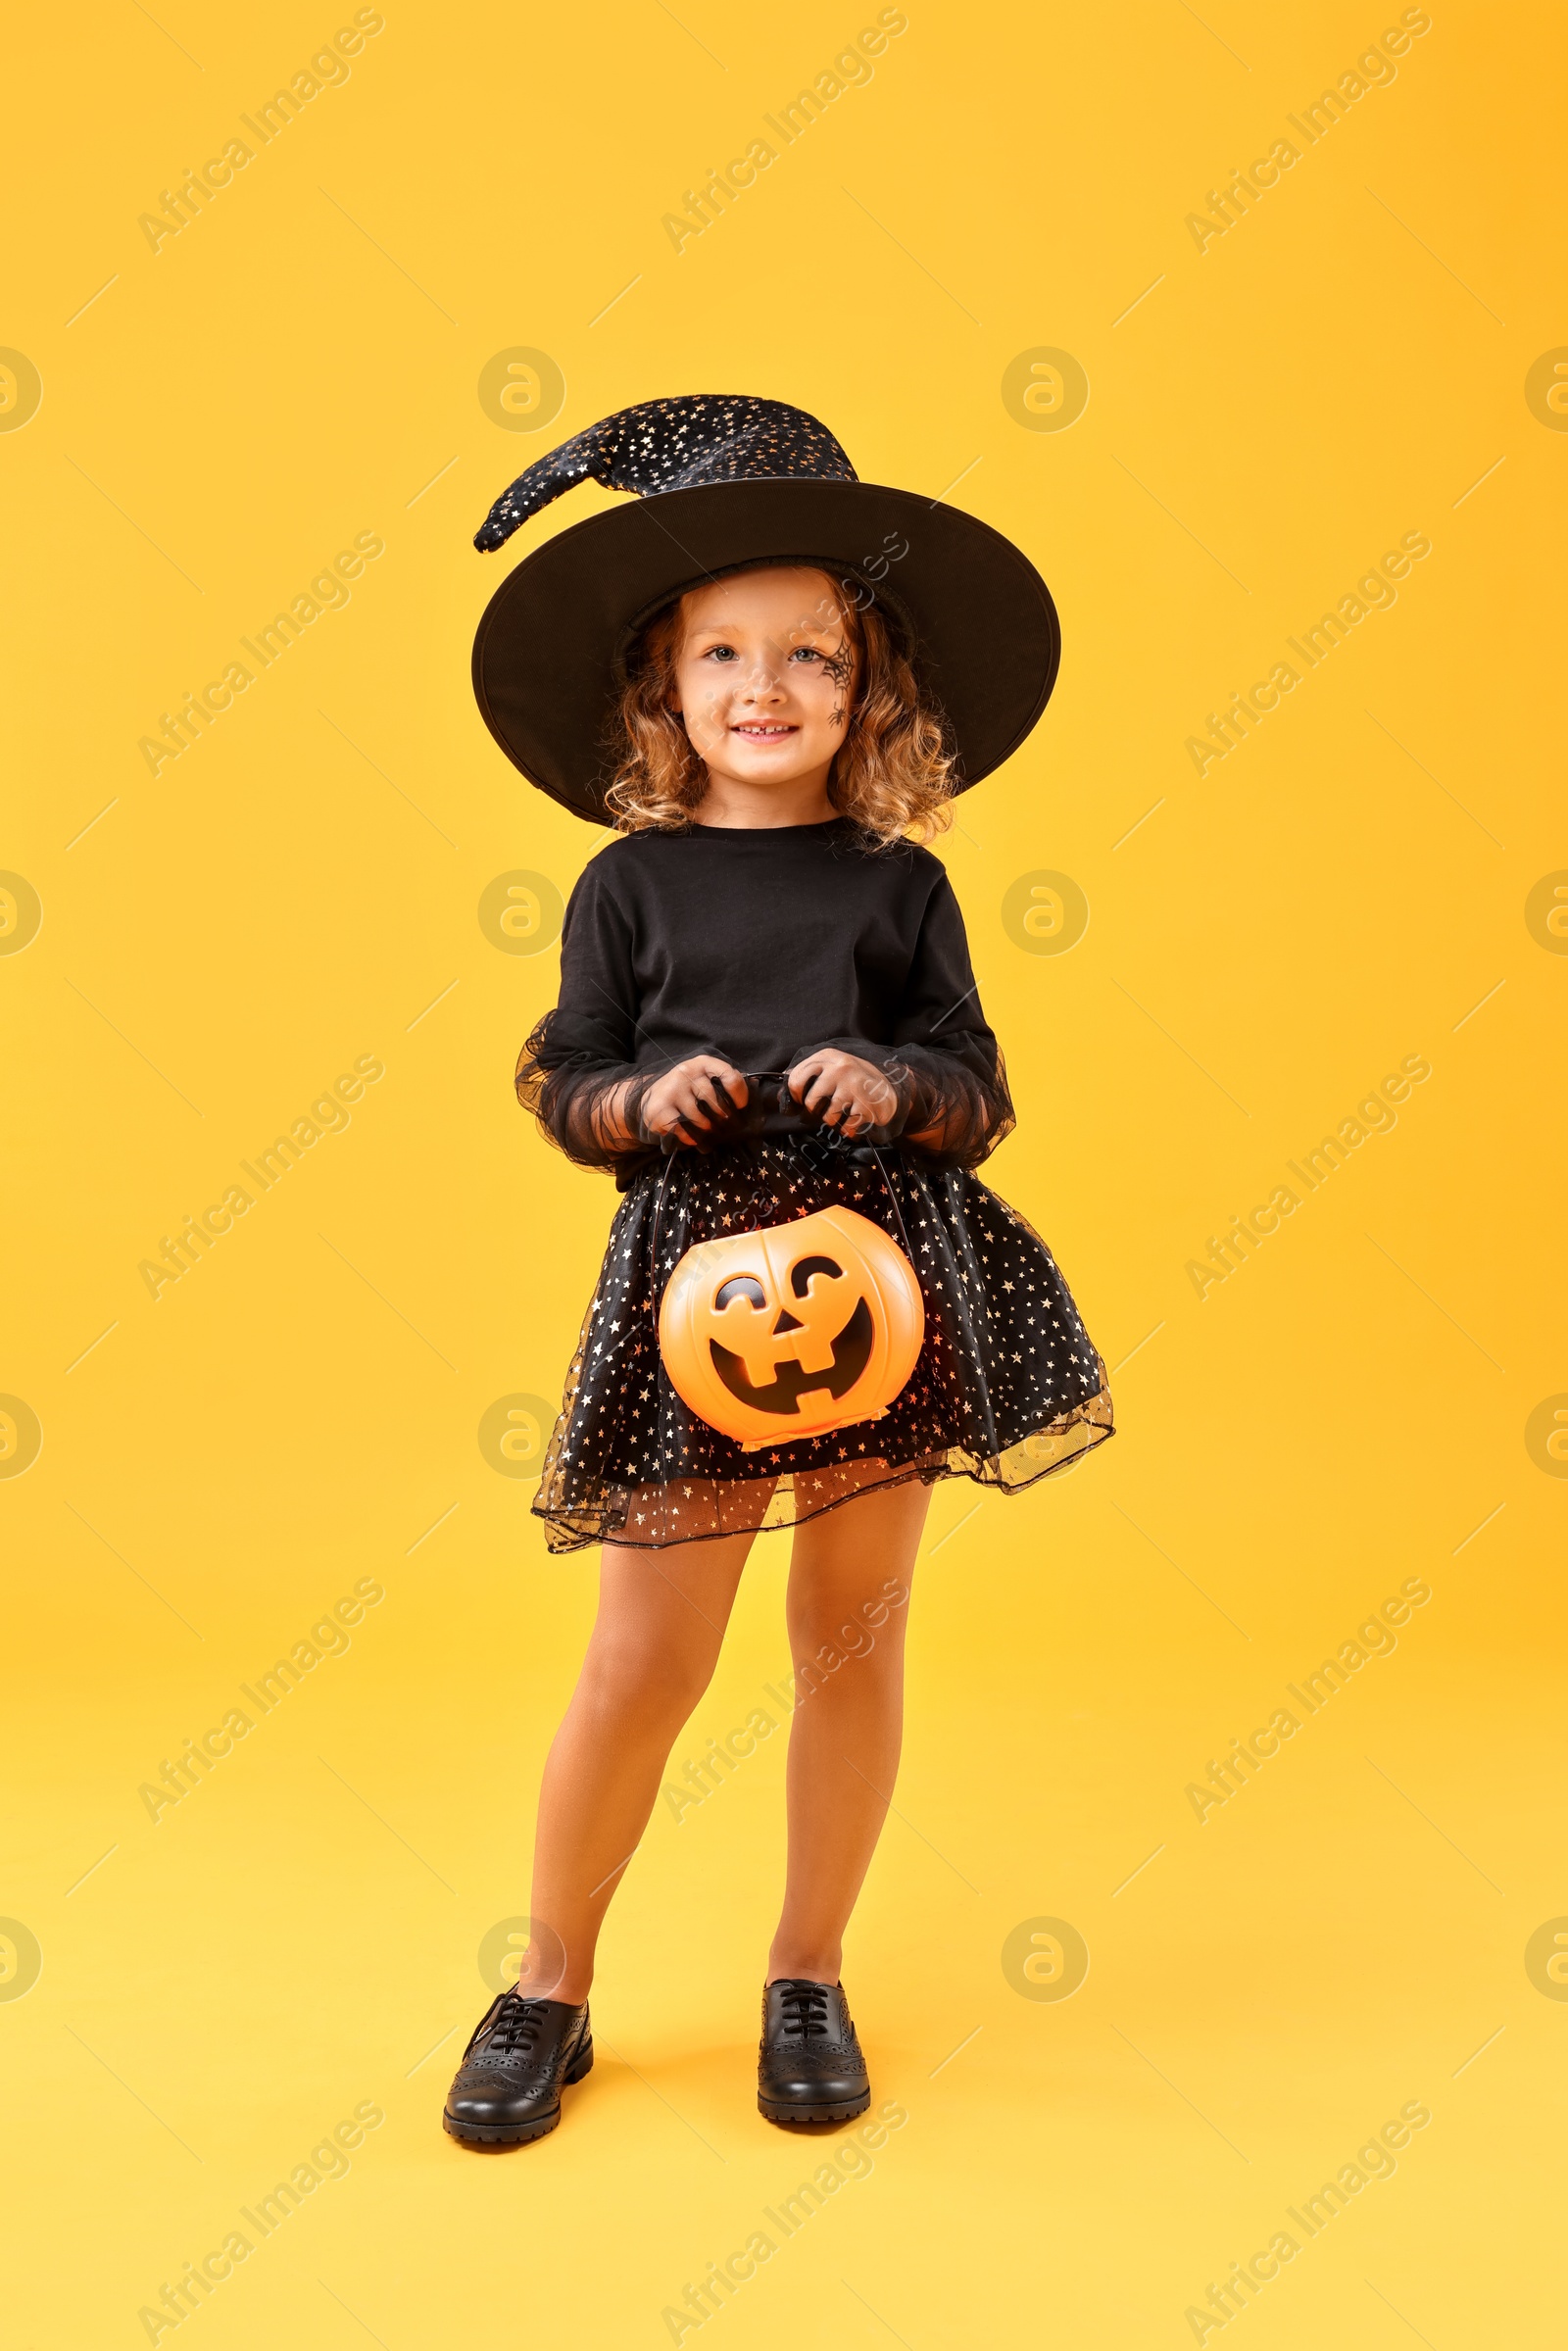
x=548, y=655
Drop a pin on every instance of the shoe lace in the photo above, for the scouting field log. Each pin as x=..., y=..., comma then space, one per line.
x=515, y=2025
x=804, y=2011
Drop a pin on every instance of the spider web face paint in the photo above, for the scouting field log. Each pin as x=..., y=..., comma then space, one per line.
x=840, y=668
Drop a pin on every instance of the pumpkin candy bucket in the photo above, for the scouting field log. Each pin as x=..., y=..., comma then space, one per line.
x=793, y=1330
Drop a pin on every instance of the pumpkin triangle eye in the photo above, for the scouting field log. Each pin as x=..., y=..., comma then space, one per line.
x=740, y=1284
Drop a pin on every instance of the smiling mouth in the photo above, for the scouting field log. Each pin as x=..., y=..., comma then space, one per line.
x=764, y=733
x=851, y=1353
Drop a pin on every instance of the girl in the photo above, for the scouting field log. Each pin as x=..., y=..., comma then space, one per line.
x=767, y=1009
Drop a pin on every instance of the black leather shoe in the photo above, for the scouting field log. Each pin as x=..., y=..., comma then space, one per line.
x=507, y=2088
x=810, y=2068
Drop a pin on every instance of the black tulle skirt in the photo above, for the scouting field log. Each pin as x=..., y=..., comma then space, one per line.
x=1007, y=1386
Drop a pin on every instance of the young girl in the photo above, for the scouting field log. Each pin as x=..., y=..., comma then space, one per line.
x=767, y=1009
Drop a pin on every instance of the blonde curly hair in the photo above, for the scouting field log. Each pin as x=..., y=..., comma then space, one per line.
x=891, y=774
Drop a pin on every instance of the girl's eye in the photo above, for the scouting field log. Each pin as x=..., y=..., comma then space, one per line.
x=727, y=653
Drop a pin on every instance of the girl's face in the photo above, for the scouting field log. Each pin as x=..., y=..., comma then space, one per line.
x=765, y=676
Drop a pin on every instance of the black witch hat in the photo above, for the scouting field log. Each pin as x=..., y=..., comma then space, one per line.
x=721, y=481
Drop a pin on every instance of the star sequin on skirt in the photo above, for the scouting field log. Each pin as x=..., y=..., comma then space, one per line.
x=1007, y=1386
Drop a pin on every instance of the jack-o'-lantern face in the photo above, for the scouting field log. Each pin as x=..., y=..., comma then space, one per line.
x=792, y=1331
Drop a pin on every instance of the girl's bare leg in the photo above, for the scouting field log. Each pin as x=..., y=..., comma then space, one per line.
x=650, y=1655
x=847, y=1733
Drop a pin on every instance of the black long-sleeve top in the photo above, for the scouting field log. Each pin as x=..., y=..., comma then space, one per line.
x=763, y=947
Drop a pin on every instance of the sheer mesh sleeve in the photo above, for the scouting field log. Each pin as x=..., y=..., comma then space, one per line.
x=958, y=1107
x=954, y=1105
x=582, y=1051
x=570, y=1092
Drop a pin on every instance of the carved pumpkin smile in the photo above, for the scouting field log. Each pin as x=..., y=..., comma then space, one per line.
x=793, y=1330
x=848, y=1354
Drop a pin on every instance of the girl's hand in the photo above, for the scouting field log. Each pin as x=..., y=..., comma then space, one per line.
x=844, y=1091
x=696, y=1093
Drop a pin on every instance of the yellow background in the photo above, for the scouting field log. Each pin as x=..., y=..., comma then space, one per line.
x=1265, y=418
